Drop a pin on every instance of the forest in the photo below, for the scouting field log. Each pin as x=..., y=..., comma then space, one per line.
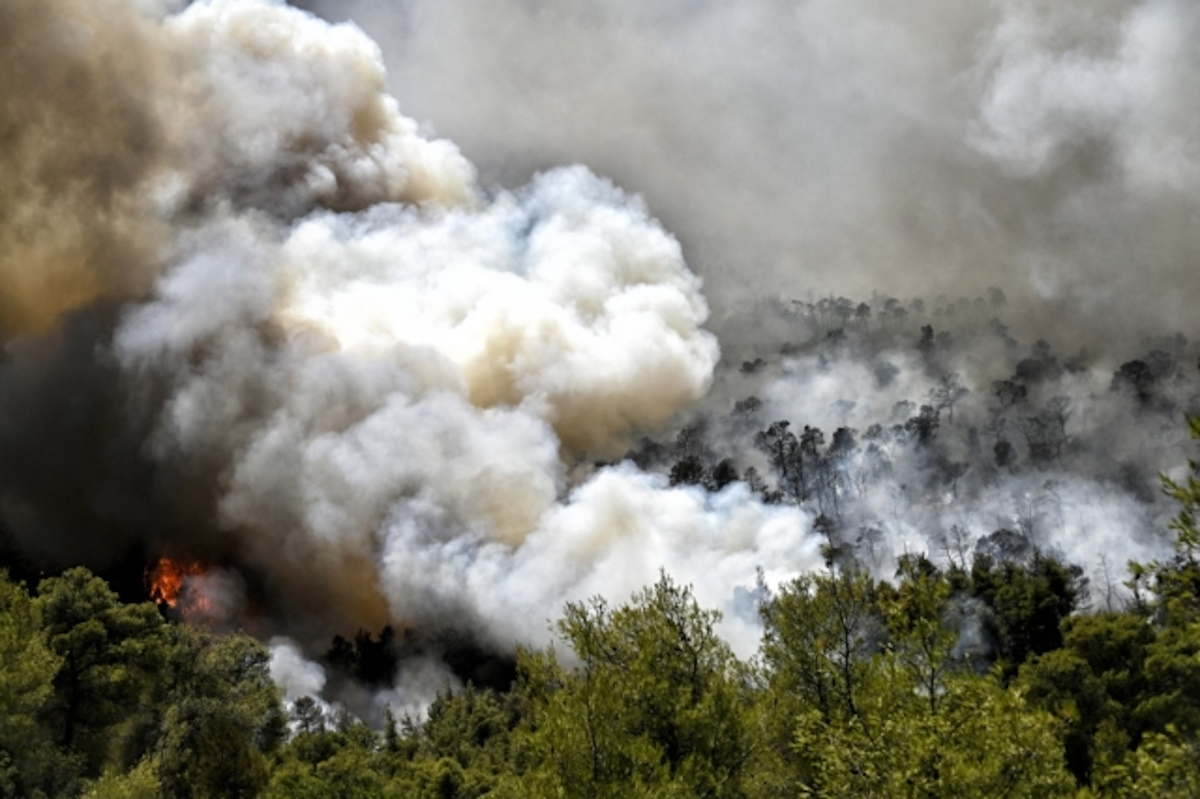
x=964, y=664
x=987, y=676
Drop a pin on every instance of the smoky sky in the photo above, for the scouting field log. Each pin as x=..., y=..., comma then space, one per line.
x=826, y=146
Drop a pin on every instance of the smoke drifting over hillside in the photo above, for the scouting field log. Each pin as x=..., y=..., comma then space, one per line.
x=848, y=146
x=255, y=317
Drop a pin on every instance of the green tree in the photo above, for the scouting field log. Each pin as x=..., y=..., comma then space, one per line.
x=29, y=760
x=475, y=728
x=820, y=632
x=1176, y=582
x=657, y=704
x=919, y=725
x=342, y=762
x=921, y=641
x=140, y=782
x=1165, y=766
x=222, y=715
x=818, y=635
x=981, y=740
x=1093, y=685
x=1027, y=602
x=352, y=774
x=109, y=653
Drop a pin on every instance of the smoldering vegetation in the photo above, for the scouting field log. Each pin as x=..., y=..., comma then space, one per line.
x=934, y=427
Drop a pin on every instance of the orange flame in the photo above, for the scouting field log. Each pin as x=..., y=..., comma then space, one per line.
x=165, y=580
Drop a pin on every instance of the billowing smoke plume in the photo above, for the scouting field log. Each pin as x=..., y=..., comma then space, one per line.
x=326, y=358
x=825, y=149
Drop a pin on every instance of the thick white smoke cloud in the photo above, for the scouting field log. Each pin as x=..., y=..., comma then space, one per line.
x=285, y=116
x=402, y=399
x=611, y=538
x=295, y=675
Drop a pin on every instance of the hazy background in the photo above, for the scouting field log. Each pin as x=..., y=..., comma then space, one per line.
x=846, y=146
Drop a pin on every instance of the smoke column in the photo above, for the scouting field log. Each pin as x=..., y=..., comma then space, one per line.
x=316, y=352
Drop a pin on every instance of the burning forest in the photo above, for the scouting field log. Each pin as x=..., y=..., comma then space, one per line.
x=729, y=296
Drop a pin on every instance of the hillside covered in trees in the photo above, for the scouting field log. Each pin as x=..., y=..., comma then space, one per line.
x=985, y=678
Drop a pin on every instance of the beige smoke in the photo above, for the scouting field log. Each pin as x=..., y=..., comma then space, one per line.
x=118, y=120
x=285, y=116
x=80, y=136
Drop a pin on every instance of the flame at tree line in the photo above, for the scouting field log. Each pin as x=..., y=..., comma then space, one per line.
x=166, y=579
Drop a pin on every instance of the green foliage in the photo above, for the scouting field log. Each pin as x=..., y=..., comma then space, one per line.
x=294, y=779
x=27, y=664
x=208, y=752
x=817, y=636
x=350, y=774
x=29, y=761
x=141, y=782
x=221, y=715
x=658, y=704
x=324, y=762
x=109, y=653
x=1176, y=583
x=1027, y=603
x=981, y=740
x=905, y=722
x=1172, y=671
x=1165, y=766
x=1094, y=685
x=921, y=642
x=460, y=751
x=474, y=729
x=443, y=778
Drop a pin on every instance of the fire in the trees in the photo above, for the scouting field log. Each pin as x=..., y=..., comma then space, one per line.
x=165, y=579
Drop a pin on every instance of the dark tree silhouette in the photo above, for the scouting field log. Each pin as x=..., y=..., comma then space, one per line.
x=947, y=393
x=924, y=425
x=783, y=449
x=1137, y=379
x=1009, y=392
x=688, y=470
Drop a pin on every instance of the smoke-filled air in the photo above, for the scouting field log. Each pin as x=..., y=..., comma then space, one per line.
x=528, y=303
